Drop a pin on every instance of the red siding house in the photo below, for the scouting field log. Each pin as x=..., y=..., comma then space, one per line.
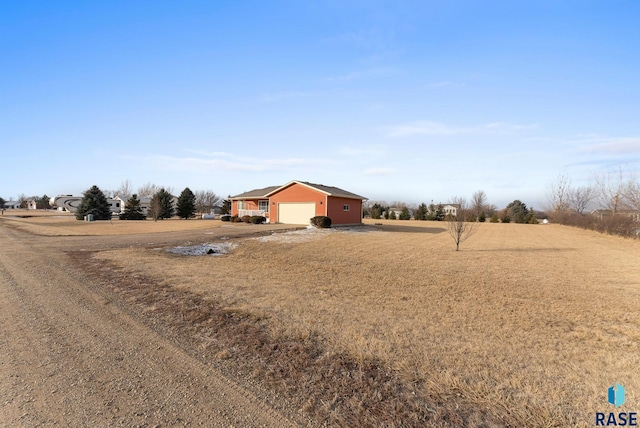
x=297, y=201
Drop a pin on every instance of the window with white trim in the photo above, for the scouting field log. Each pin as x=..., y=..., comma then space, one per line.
x=263, y=205
x=241, y=205
x=345, y=207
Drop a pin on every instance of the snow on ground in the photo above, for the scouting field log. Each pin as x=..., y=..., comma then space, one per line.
x=203, y=249
x=300, y=235
x=311, y=232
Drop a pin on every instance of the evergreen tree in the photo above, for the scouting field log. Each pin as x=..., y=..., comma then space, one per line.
x=376, y=211
x=186, y=204
x=439, y=214
x=133, y=209
x=226, y=206
x=518, y=212
x=43, y=202
x=161, y=206
x=392, y=215
x=405, y=214
x=421, y=212
x=94, y=202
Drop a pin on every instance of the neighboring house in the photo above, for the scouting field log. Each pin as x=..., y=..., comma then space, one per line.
x=12, y=205
x=298, y=201
x=451, y=209
x=145, y=203
x=396, y=211
x=32, y=204
x=69, y=203
x=116, y=205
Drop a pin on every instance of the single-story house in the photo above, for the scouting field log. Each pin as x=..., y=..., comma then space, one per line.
x=298, y=201
x=11, y=205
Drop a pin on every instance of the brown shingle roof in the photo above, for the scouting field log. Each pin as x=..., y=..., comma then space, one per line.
x=257, y=193
x=333, y=191
x=268, y=191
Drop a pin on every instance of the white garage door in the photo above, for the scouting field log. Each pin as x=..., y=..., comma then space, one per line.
x=296, y=213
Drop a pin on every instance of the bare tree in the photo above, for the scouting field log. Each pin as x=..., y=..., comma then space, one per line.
x=580, y=198
x=610, y=189
x=632, y=192
x=478, y=203
x=125, y=190
x=155, y=207
x=206, y=200
x=459, y=229
x=558, y=194
x=148, y=190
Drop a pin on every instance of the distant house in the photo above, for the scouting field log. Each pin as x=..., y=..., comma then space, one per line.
x=145, y=203
x=393, y=210
x=32, y=204
x=298, y=201
x=11, y=205
x=70, y=203
x=451, y=209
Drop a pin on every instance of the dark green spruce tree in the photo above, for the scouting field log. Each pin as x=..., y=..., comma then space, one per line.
x=133, y=209
x=186, y=204
x=94, y=202
x=162, y=205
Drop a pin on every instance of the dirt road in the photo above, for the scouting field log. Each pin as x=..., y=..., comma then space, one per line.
x=69, y=356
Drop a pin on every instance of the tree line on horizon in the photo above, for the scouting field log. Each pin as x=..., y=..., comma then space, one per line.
x=479, y=210
x=609, y=203
x=161, y=206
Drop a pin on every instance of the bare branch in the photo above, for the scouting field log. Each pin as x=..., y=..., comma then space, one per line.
x=459, y=229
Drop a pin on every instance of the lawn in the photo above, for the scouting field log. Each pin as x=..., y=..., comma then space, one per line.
x=526, y=325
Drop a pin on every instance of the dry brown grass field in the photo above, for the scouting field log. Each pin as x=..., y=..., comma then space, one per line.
x=55, y=223
x=527, y=325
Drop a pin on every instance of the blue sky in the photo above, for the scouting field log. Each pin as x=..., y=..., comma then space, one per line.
x=400, y=101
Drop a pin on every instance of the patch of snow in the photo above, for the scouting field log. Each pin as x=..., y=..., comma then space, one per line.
x=204, y=249
x=311, y=232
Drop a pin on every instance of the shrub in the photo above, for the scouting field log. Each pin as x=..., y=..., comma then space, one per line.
x=321, y=221
x=256, y=219
x=245, y=218
x=225, y=217
x=235, y=219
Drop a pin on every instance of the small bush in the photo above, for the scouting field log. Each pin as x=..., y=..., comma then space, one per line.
x=225, y=217
x=256, y=219
x=235, y=219
x=321, y=221
x=245, y=218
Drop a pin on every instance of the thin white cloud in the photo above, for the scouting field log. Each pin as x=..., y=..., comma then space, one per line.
x=445, y=84
x=358, y=75
x=504, y=127
x=380, y=171
x=227, y=162
x=426, y=127
x=626, y=145
x=375, y=150
x=283, y=95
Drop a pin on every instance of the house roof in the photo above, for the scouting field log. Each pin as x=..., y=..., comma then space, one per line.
x=257, y=193
x=268, y=191
x=328, y=190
